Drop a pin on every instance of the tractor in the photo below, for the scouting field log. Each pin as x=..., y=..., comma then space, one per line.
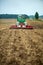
x=21, y=23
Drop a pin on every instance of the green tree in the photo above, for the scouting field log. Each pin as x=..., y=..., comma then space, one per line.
x=36, y=15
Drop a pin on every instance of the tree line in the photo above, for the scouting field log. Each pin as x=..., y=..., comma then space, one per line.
x=36, y=16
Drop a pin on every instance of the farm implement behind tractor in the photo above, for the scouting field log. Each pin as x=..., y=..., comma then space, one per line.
x=21, y=23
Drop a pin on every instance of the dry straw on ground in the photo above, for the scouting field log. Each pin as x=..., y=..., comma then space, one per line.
x=21, y=46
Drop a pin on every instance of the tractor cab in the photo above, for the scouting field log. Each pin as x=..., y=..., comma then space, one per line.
x=21, y=21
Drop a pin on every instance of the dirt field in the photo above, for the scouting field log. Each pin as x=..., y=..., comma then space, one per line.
x=21, y=46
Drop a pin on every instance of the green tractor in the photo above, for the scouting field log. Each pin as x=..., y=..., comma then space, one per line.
x=21, y=21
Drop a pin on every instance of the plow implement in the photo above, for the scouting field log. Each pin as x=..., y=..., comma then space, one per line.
x=21, y=27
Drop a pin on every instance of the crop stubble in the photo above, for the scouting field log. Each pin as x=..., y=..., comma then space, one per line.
x=21, y=46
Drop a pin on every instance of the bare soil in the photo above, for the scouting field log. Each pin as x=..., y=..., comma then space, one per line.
x=21, y=46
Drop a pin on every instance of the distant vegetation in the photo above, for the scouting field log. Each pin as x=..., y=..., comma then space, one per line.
x=8, y=16
x=36, y=15
x=14, y=16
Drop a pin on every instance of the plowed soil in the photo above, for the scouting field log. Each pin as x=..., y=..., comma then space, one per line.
x=21, y=46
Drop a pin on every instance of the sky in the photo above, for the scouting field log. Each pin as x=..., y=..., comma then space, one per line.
x=28, y=7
